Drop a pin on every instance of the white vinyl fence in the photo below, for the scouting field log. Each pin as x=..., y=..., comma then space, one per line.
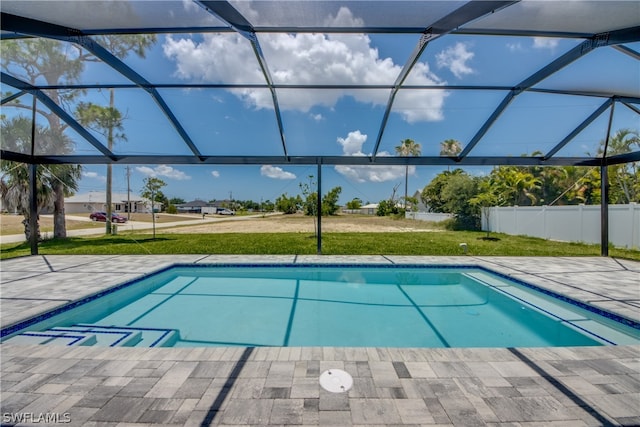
x=579, y=223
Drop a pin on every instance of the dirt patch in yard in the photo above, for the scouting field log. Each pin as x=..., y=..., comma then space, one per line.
x=12, y=224
x=303, y=224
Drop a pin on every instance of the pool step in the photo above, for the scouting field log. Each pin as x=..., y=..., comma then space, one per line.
x=149, y=337
x=104, y=337
x=100, y=335
x=53, y=338
x=487, y=278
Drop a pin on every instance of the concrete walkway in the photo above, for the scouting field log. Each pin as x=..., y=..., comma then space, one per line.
x=90, y=386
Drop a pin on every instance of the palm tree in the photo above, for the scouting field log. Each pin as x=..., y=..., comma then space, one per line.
x=450, y=148
x=14, y=182
x=407, y=147
x=625, y=176
x=62, y=179
x=14, y=190
x=514, y=186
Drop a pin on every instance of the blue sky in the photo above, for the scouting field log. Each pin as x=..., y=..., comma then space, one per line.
x=339, y=122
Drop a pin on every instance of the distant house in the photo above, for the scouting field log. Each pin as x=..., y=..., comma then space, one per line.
x=97, y=201
x=195, y=206
x=223, y=204
x=200, y=206
x=368, y=209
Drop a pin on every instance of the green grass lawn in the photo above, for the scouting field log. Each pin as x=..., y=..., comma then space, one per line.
x=418, y=243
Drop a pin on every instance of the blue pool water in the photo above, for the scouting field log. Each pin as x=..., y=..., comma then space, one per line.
x=328, y=306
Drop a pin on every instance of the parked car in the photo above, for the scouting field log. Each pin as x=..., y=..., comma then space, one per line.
x=102, y=216
x=226, y=212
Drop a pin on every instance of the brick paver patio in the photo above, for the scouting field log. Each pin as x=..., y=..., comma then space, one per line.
x=581, y=386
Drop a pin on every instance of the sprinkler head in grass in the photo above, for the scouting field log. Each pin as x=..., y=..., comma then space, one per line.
x=464, y=247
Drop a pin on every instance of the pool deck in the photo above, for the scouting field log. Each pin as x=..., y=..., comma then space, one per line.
x=84, y=386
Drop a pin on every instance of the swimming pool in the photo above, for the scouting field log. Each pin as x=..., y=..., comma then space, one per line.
x=317, y=305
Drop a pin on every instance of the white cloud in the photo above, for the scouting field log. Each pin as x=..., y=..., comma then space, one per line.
x=164, y=171
x=304, y=59
x=317, y=117
x=352, y=146
x=94, y=175
x=545, y=43
x=275, y=172
x=215, y=174
x=455, y=58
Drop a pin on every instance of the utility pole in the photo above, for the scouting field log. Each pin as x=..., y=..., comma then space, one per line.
x=109, y=167
x=128, y=193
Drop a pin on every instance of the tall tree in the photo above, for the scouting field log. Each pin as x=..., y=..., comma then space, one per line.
x=310, y=201
x=177, y=201
x=432, y=193
x=457, y=192
x=407, y=148
x=109, y=122
x=330, y=201
x=287, y=205
x=37, y=59
x=354, y=204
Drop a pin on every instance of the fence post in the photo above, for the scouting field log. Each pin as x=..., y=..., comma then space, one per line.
x=634, y=226
x=581, y=214
x=33, y=208
x=604, y=211
x=319, y=209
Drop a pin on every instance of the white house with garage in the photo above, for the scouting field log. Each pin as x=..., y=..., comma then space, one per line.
x=97, y=201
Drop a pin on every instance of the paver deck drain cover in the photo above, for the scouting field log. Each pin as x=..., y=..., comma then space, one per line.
x=336, y=381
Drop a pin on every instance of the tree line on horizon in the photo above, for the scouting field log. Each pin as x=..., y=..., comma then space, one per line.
x=464, y=195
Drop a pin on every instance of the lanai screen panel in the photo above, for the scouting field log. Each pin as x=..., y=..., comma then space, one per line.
x=382, y=71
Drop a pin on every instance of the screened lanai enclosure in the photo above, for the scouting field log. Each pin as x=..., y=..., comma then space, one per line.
x=267, y=83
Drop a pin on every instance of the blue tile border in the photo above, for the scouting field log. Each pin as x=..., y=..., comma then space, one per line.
x=164, y=331
x=124, y=334
x=16, y=327
x=75, y=338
